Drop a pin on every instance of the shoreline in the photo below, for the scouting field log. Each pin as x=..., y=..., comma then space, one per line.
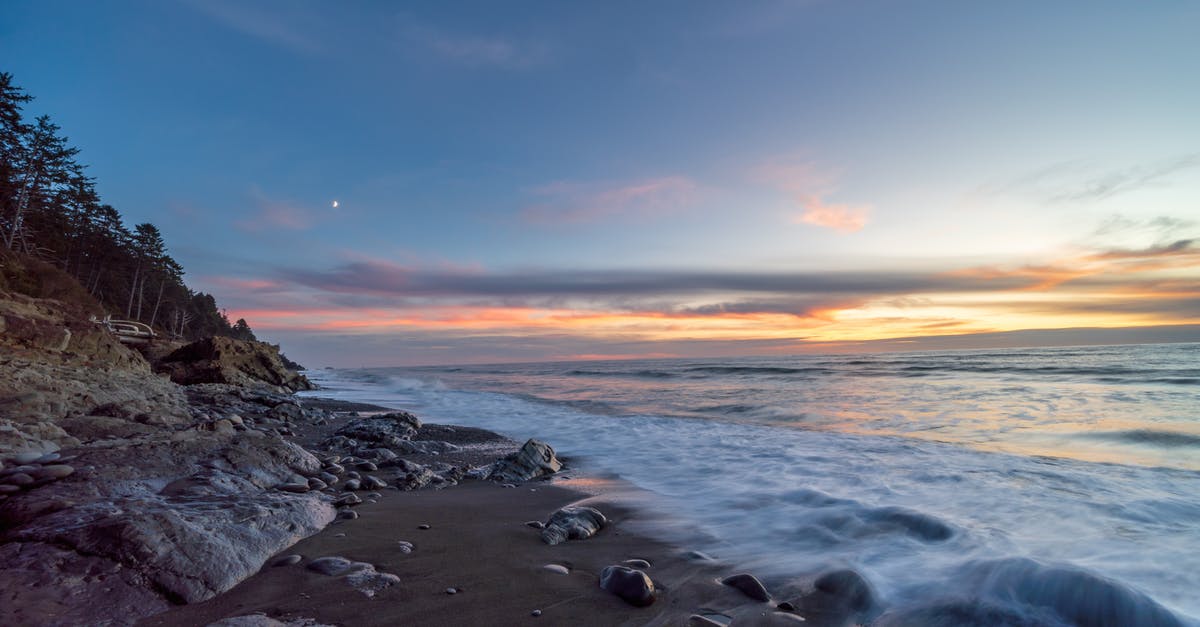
x=479, y=544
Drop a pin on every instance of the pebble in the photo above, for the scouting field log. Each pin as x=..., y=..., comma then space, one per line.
x=48, y=458
x=374, y=495
x=451, y=591
x=9, y=489
x=19, y=478
x=372, y=501
x=25, y=468
x=288, y=560
x=348, y=514
x=406, y=547
x=352, y=484
x=367, y=466
x=336, y=469
x=787, y=607
x=348, y=499
x=339, y=535
x=298, y=488
x=536, y=524
x=557, y=569
x=373, y=483
x=696, y=620
x=328, y=477
x=423, y=527
x=353, y=475
x=536, y=613
x=26, y=458
x=636, y=563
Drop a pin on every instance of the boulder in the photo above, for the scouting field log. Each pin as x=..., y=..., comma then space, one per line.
x=573, y=523
x=634, y=586
x=386, y=429
x=749, y=585
x=534, y=459
x=236, y=362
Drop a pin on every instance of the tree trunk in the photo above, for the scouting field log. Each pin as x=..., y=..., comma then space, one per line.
x=154, y=316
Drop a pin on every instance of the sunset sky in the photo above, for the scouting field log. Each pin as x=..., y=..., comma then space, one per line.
x=552, y=180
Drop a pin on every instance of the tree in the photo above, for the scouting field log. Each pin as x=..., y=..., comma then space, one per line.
x=40, y=162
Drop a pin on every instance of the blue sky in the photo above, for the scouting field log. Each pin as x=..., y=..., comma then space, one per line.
x=510, y=142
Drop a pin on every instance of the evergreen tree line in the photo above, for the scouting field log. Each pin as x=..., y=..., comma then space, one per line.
x=49, y=209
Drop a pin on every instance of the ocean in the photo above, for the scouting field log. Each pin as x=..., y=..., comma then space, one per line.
x=1047, y=485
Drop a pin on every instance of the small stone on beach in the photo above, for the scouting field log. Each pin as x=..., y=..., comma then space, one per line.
x=636, y=563
x=288, y=560
x=556, y=568
x=423, y=527
x=451, y=591
x=536, y=524
x=536, y=613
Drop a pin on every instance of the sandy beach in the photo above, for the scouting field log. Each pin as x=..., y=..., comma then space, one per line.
x=479, y=544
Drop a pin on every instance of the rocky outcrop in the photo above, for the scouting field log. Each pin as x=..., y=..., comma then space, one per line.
x=42, y=327
x=573, y=523
x=235, y=362
x=178, y=516
x=535, y=459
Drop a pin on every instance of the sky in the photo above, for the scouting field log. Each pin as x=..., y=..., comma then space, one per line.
x=519, y=181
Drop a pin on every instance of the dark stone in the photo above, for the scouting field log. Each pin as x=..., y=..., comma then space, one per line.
x=632, y=585
x=848, y=586
x=573, y=523
x=749, y=585
x=534, y=459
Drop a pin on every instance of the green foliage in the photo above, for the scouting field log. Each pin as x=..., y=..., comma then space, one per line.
x=51, y=216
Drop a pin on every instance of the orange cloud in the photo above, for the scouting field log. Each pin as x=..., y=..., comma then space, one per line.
x=808, y=188
x=842, y=218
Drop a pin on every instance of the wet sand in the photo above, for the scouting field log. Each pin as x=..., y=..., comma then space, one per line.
x=477, y=543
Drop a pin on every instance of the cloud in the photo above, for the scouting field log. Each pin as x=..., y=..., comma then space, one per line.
x=1125, y=180
x=380, y=278
x=474, y=50
x=566, y=202
x=808, y=188
x=842, y=218
x=271, y=27
x=1079, y=181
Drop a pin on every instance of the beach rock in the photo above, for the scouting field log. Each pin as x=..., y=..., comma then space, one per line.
x=260, y=620
x=236, y=362
x=573, y=523
x=406, y=547
x=164, y=518
x=423, y=527
x=347, y=514
x=698, y=620
x=534, y=459
x=849, y=587
x=536, y=613
x=352, y=484
x=386, y=429
x=634, y=586
x=19, y=479
x=749, y=585
x=288, y=560
x=297, y=488
x=54, y=471
x=557, y=569
x=348, y=499
x=333, y=565
x=640, y=564
x=373, y=483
